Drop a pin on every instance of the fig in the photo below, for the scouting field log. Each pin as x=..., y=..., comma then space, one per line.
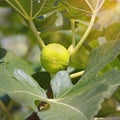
x=54, y=57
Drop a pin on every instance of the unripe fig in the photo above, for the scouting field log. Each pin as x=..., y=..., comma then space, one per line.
x=54, y=57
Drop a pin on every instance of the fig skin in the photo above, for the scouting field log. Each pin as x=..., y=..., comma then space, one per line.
x=54, y=57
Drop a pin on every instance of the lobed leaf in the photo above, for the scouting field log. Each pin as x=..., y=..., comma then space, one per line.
x=21, y=87
x=88, y=94
x=30, y=9
x=16, y=83
x=78, y=8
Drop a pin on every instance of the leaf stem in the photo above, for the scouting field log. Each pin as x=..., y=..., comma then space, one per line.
x=73, y=32
x=85, y=34
x=38, y=38
x=4, y=109
x=78, y=74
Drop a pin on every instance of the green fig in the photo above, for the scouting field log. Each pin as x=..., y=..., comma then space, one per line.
x=54, y=57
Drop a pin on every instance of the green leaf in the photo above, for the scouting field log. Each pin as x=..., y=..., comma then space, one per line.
x=55, y=21
x=46, y=7
x=99, y=57
x=112, y=77
x=79, y=5
x=61, y=83
x=27, y=80
x=73, y=107
x=78, y=8
x=21, y=87
x=103, y=55
x=16, y=83
x=61, y=111
x=88, y=94
x=12, y=62
x=30, y=9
